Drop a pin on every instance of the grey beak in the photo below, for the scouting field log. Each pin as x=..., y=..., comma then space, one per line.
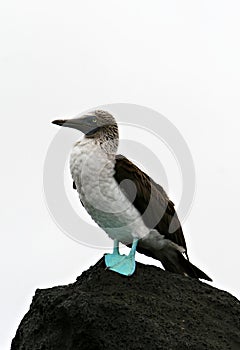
x=83, y=124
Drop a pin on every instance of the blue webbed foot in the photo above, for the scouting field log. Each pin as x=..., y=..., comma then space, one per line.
x=123, y=264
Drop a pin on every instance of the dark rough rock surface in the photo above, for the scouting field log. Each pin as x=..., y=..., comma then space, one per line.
x=153, y=309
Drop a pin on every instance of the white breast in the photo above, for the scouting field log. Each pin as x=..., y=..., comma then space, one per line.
x=93, y=173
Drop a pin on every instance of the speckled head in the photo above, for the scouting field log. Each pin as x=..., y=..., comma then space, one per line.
x=98, y=124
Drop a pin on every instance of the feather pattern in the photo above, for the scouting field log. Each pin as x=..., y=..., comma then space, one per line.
x=151, y=200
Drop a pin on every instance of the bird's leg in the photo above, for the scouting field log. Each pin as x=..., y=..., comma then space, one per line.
x=116, y=247
x=123, y=264
x=133, y=248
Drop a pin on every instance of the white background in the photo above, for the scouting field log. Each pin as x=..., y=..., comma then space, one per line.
x=59, y=58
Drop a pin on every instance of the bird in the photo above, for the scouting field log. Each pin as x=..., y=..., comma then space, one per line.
x=123, y=200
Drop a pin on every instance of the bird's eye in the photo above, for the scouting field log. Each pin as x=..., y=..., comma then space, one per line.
x=94, y=120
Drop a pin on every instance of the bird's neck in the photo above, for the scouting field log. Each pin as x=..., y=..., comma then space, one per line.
x=108, y=142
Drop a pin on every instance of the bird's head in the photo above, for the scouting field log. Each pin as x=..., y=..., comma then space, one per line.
x=99, y=125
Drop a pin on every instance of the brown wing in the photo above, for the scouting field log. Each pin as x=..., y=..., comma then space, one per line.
x=150, y=199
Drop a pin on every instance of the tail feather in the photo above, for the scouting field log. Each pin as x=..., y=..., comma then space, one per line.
x=177, y=263
x=170, y=254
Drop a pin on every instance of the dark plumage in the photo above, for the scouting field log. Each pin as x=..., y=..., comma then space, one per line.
x=158, y=212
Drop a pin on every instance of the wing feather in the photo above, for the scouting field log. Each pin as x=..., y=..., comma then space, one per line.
x=150, y=199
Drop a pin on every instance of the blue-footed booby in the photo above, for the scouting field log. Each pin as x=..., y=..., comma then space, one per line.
x=124, y=201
